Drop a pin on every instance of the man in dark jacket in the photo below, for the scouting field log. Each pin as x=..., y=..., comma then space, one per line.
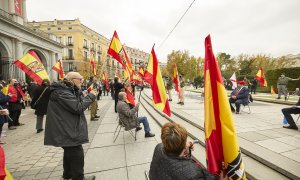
x=287, y=114
x=239, y=95
x=66, y=125
x=117, y=88
x=41, y=99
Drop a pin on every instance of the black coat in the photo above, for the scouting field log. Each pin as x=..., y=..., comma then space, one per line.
x=66, y=124
x=42, y=104
x=170, y=167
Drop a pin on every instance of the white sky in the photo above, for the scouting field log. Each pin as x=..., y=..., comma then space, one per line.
x=271, y=27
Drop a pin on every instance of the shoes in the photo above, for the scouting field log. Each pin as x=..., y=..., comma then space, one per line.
x=182, y=103
x=148, y=134
x=179, y=103
x=278, y=98
x=39, y=130
x=170, y=99
x=138, y=128
x=20, y=124
x=94, y=119
x=291, y=127
x=2, y=142
x=89, y=178
x=97, y=116
x=237, y=112
x=12, y=128
x=285, y=98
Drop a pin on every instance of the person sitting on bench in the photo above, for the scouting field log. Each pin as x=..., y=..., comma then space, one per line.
x=287, y=114
x=239, y=95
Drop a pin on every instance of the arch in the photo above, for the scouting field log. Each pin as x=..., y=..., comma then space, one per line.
x=41, y=55
x=5, y=57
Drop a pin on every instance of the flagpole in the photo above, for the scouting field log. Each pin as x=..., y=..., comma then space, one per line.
x=142, y=88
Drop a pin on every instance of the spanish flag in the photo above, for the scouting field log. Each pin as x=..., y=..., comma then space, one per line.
x=159, y=94
x=32, y=66
x=141, y=72
x=58, y=68
x=272, y=90
x=148, y=73
x=220, y=136
x=136, y=79
x=176, y=79
x=91, y=87
x=127, y=62
x=130, y=97
x=92, y=62
x=115, y=48
x=104, y=80
x=260, y=76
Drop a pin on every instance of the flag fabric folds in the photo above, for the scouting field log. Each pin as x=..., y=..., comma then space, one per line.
x=141, y=72
x=104, y=80
x=92, y=62
x=221, y=140
x=130, y=96
x=159, y=94
x=115, y=48
x=148, y=73
x=233, y=80
x=272, y=90
x=90, y=88
x=58, y=68
x=260, y=76
x=33, y=67
x=176, y=79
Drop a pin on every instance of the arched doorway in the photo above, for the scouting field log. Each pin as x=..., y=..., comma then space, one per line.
x=4, y=62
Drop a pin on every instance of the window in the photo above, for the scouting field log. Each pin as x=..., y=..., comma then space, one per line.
x=70, y=53
x=92, y=45
x=58, y=28
x=59, y=39
x=49, y=29
x=70, y=40
x=99, y=58
x=85, y=55
x=70, y=27
x=85, y=43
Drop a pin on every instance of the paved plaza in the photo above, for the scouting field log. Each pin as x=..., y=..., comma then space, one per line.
x=28, y=158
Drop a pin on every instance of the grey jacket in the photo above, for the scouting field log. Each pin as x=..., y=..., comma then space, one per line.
x=66, y=123
x=127, y=116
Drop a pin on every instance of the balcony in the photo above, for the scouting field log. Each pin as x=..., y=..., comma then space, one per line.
x=93, y=49
x=69, y=44
x=85, y=46
x=99, y=52
x=69, y=58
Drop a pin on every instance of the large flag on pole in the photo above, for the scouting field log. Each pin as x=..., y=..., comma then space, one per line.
x=141, y=72
x=148, y=73
x=115, y=48
x=176, y=79
x=92, y=62
x=33, y=67
x=59, y=69
x=233, y=81
x=222, y=148
x=104, y=80
x=159, y=94
x=260, y=76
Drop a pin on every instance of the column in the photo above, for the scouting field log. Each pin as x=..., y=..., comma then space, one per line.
x=52, y=74
x=19, y=74
x=11, y=6
x=24, y=11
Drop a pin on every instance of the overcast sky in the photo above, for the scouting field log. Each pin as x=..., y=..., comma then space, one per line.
x=271, y=27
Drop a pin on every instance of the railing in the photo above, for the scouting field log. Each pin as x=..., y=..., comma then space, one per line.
x=85, y=46
x=69, y=44
x=93, y=49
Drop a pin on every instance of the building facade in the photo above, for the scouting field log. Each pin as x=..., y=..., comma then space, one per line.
x=82, y=44
x=17, y=37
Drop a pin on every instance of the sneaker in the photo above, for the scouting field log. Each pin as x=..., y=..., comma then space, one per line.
x=97, y=116
x=89, y=178
x=149, y=135
x=291, y=127
x=182, y=103
x=12, y=128
x=138, y=128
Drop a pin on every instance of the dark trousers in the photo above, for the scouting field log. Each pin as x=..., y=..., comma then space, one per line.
x=237, y=103
x=253, y=89
x=73, y=163
x=287, y=114
x=116, y=102
x=1, y=126
x=14, y=115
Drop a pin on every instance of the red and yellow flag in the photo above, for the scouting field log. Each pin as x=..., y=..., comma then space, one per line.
x=220, y=136
x=92, y=62
x=130, y=97
x=272, y=90
x=127, y=62
x=104, y=80
x=136, y=78
x=148, y=73
x=141, y=72
x=176, y=79
x=260, y=76
x=159, y=94
x=33, y=67
x=58, y=68
x=115, y=48
x=91, y=87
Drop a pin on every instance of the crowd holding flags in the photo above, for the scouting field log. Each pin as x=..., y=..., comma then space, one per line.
x=59, y=69
x=32, y=66
x=222, y=149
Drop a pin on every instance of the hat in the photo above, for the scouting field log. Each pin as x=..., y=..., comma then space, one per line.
x=241, y=82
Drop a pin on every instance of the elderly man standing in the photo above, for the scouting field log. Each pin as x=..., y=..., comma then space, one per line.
x=281, y=85
x=129, y=118
x=66, y=125
x=239, y=95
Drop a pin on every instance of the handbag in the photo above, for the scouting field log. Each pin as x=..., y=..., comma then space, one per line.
x=33, y=105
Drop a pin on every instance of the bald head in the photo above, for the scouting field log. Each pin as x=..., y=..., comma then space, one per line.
x=122, y=96
x=73, y=75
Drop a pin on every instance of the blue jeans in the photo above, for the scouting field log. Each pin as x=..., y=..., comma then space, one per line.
x=145, y=123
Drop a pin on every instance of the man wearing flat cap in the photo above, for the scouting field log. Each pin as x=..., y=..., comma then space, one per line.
x=239, y=96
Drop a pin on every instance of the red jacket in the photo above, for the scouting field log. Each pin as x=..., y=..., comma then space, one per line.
x=12, y=90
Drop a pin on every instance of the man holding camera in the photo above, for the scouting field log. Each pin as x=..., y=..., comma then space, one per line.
x=66, y=125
